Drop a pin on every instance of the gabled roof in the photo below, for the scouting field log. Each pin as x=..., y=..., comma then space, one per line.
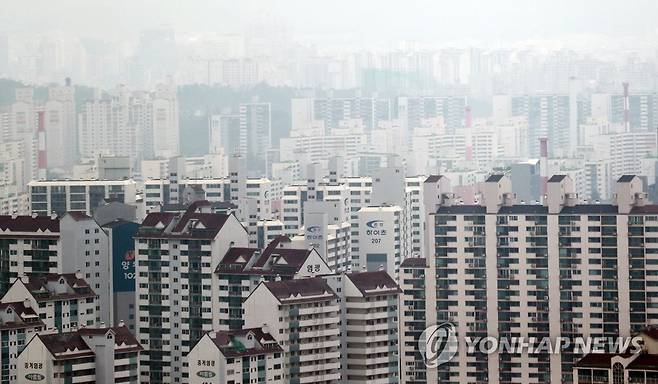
x=494, y=178
x=273, y=260
x=28, y=224
x=70, y=345
x=123, y=338
x=79, y=216
x=190, y=225
x=230, y=346
x=626, y=178
x=374, y=283
x=414, y=262
x=433, y=178
x=556, y=178
x=599, y=360
x=155, y=218
x=299, y=290
x=25, y=316
x=64, y=346
x=235, y=260
x=37, y=284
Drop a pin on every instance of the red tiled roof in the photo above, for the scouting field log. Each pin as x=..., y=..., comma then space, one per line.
x=224, y=340
x=122, y=335
x=374, y=283
x=645, y=362
x=300, y=289
x=599, y=360
x=78, y=216
x=28, y=224
x=38, y=283
x=420, y=262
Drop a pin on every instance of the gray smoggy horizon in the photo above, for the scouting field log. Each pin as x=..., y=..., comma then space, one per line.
x=365, y=21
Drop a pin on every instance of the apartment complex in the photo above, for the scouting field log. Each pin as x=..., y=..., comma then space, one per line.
x=176, y=255
x=562, y=269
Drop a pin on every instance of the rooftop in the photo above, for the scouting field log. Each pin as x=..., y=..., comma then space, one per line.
x=299, y=290
x=374, y=283
x=495, y=178
x=28, y=224
x=626, y=178
x=556, y=178
x=410, y=262
x=236, y=343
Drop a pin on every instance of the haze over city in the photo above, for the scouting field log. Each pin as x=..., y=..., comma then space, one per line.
x=214, y=192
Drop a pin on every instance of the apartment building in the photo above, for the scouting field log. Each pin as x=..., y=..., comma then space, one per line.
x=89, y=355
x=18, y=323
x=417, y=312
x=562, y=269
x=304, y=317
x=86, y=246
x=176, y=255
x=61, y=196
x=64, y=302
x=236, y=357
x=242, y=269
x=369, y=326
x=379, y=239
x=28, y=244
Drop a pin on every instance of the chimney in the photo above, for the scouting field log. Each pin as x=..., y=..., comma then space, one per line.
x=265, y=328
x=53, y=215
x=381, y=267
x=14, y=215
x=27, y=303
x=34, y=215
x=78, y=274
x=24, y=278
x=122, y=323
x=277, y=278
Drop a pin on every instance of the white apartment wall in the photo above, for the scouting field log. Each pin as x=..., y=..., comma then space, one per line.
x=85, y=246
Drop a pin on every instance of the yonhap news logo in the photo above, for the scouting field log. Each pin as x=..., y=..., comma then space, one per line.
x=438, y=344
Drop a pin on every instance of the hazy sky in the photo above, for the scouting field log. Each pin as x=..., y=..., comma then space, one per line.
x=372, y=20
